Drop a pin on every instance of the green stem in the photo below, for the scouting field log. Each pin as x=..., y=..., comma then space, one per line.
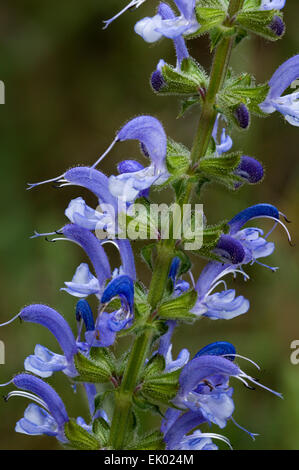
x=123, y=399
x=219, y=70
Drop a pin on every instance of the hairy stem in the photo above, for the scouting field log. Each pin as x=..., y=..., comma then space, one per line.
x=123, y=400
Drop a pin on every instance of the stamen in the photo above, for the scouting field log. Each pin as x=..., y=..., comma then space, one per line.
x=192, y=278
x=37, y=234
x=274, y=269
x=251, y=434
x=52, y=180
x=281, y=223
x=30, y=396
x=243, y=357
x=244, y=382
x=7, y=383
x=285, y=218
x=132, y=4
x=80, y=326
x=212, y=435
x=215, y=285
x=105, y=153
x=251, y=379
x=270, y=231
x=10, y=321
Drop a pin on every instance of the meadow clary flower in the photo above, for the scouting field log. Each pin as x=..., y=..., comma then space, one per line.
x=181, y=50
x=49, y=417
x=153, y=29
x=151, y=135
x=205, y=393
x=223, y=305
x=83, y=284
x=288, y=105
x=79, y=213
x=109, y=324
x=44, y=362
x=176, y=426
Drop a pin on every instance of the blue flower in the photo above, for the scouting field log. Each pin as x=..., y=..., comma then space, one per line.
x=151, y=135
x=272, y=4
x=250, y=239
x=37, y=421
x=44, y=362
x=205, y=393
x=153, y=29
x=50, y=420
x=83, y=284
x=288, y=105
x=181, y=50
x=109, y=324
x=176, y=426
x=220, y=305
x=79, y=213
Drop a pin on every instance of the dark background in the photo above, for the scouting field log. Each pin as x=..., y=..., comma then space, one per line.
x=69, y=87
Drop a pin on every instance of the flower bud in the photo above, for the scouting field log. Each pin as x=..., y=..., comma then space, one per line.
x=242, y=116
x=250, y=169
x=277, y=26
x=157, y=80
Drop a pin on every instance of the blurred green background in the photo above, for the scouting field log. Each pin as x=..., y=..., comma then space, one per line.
x=69, y=87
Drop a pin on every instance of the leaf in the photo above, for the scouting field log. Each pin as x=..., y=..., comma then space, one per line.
x=155, y=366
x=178, y=82
x=90, y=370
x=187, y=104
x=147, y=254
x=179, y=307
x=258, y=22
x=101, y=429
x=177, y=158
x=153, y=441
x=209, y=14
x=79, y=438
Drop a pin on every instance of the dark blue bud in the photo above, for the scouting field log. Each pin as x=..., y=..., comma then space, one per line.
x=129, y=166
x=242, y=116
x=84, y=312
x=253, y=212
x=157, y=80
x=121, y=286
x=174, y=268
x=230, y=249
x=219, y=348
x=250, y=169
x=277, y=26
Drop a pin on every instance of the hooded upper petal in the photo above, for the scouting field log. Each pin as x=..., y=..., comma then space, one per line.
x=43, y=390
x=48, y=317
x=150, y=133
x=92, y=247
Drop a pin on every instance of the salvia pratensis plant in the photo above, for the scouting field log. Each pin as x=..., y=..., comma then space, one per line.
x=185, y=392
